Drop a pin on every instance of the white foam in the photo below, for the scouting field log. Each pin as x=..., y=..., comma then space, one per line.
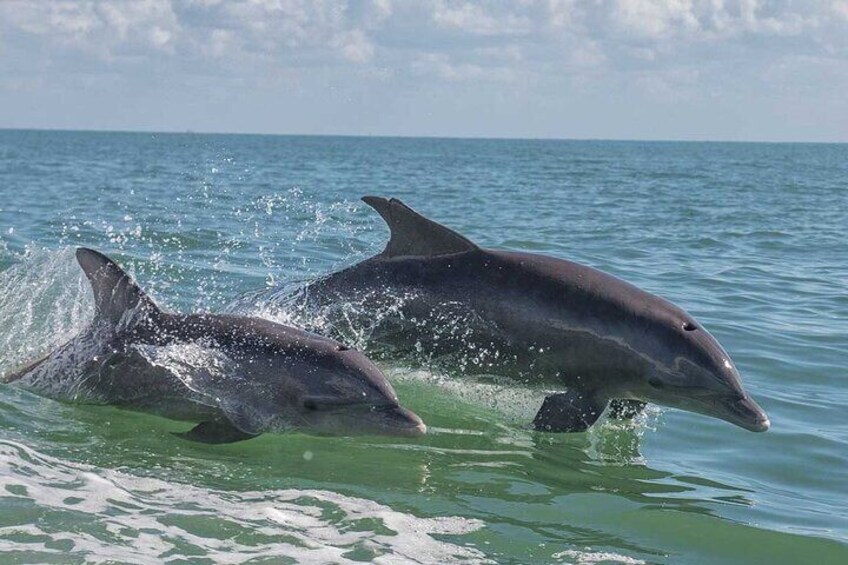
x=592, y=557
x=113, y=516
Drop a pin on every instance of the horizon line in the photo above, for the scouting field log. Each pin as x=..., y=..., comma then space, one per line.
x=402, y=136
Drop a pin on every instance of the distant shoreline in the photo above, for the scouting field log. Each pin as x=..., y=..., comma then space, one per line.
x=414, y=137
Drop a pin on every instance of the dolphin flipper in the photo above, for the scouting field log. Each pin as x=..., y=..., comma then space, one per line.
x=572, y=411
x=413, y=235
x=215, y=432
x=625, y=409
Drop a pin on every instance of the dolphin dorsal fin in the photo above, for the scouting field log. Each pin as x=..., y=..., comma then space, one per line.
x=413, y=235
x=115, y=293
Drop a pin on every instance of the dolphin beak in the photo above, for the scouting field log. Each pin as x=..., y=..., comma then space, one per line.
x=397, y=420
x=746, y=413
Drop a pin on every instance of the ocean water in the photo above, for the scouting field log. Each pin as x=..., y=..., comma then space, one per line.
x=749, y=238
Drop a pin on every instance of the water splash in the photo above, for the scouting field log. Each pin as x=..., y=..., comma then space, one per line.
x=45, y=300
x=242, y=237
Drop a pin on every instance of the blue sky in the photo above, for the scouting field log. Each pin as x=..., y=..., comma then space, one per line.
x=613, y=69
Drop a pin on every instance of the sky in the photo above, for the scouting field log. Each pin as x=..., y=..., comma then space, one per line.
x=771, y=70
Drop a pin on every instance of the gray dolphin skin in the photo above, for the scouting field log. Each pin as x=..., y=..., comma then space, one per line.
x=254, y=376
x=601, y=341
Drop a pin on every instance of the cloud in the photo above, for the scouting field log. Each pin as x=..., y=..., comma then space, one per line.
x=471, y=18
x=355, y=46
x=654, y=19
x=205, y=28
x=700, y=20
x=440, y=66
x=323, y=31
x=549, y=51
x=99, y=29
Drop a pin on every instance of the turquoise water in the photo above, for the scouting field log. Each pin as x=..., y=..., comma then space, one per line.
x=749, y=238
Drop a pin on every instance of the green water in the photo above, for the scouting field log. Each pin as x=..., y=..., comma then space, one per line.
x=749, y=238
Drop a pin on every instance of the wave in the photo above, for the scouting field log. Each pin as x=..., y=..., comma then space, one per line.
x=103, y=515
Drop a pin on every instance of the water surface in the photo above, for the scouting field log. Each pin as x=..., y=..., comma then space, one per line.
x=749, y=238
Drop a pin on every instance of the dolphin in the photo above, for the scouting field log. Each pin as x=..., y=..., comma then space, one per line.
x=595, y=339
x=252, y=375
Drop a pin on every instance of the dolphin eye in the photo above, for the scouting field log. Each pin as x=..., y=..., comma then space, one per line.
x=689, y=327
x=310, y=404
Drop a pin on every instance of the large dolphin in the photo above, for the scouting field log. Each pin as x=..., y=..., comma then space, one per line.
x=596, y=338
x=253, y=375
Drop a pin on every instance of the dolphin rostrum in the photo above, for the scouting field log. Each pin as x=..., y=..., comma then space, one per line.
x=598, y=339
x=252, y=375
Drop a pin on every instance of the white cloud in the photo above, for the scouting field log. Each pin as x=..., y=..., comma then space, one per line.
x=840, y=8
x=588, y=54
x=546, y=50
x=101, y=29
x=560, y=13
x=440, y=66
x=469, y=17
x=355, y=46
x=507, y=53
x=265, y=28
x=655, y=18
x=272, y=30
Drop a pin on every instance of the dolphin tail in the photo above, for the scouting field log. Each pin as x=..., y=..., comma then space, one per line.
x=413, y=235
x=115, y=292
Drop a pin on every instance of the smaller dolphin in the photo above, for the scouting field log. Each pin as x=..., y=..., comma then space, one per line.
x=254, y=376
